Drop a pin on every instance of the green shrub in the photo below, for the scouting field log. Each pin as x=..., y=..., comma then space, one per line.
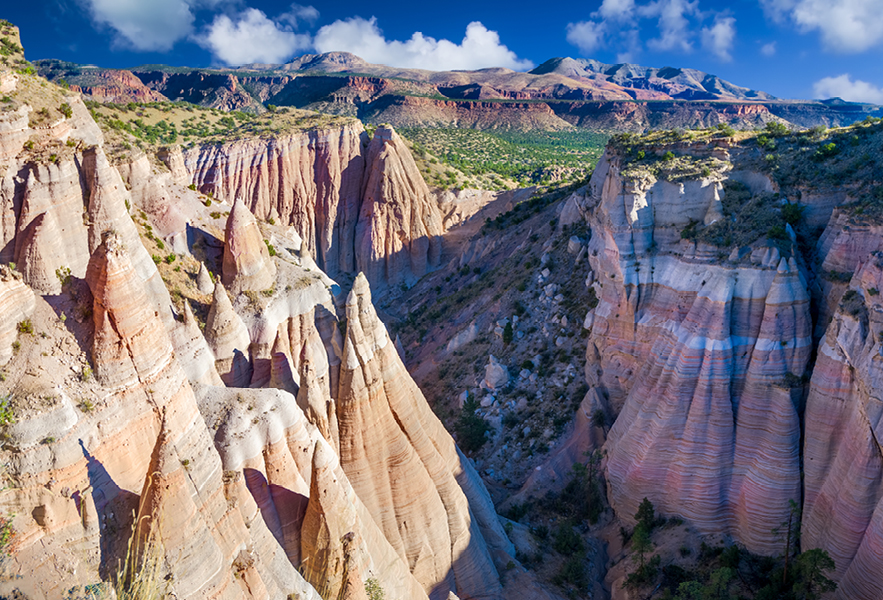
x=6, y=415
x=25, y=326
x=792, y=213
x=471, y=427
x=372, y=586
x=66, y=110
x=572, y=573
x=7, y=535
x=566, y=541
x=826, y=151
x=64, y=275
x=725, y=130
x=691, y=230
x=777, y=232
x=777, y=129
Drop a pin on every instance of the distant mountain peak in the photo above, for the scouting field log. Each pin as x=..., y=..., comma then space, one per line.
x=679, y=83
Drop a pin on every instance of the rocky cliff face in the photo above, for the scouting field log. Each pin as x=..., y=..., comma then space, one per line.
x=233, y=454
x=691, y=352
x=356, y=205
x=842, y=455
x=398, y=235
x=702, y=344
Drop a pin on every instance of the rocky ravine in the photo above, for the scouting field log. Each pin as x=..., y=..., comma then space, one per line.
x=733, y=343
x=316, y=468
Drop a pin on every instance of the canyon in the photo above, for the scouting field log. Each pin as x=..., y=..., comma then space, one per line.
x=238, y=362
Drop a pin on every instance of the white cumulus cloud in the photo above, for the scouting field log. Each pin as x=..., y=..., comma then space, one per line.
x=719, y=38
x=768, y=49
x=298, y=13
x=843, y=86
x=618, y=10
x=479, y=48
x=251, y=37
x=674, y=28
x=617, y=24
x=588, y=36
x=845, y=25
x=146, y=26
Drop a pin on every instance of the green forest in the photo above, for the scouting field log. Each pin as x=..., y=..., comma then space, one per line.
x=522, y=157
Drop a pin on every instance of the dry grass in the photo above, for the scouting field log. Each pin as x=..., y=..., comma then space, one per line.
x=139, y=576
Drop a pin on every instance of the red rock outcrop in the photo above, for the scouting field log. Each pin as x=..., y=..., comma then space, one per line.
x=119, y=86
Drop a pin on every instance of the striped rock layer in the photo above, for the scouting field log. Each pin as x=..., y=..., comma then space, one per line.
x=705, y=360
x=131, y=421
x=843, y=458
x=695, y=356
x=357, y=205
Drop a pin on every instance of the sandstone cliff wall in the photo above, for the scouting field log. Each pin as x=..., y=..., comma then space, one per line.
x=703, y=355
x=132, y=421
x=691, y=352
x=355, y=205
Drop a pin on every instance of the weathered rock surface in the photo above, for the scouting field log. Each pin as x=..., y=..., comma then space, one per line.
x=204, y=280
x=241, y=488
x=310, y=180
x=355, y=206
x=266, y=446
x=693, y=353
x=843, y=501
x=314, y=397
x=496, y=375
x=247, y=264
x=329, y=541
x=228, y=339
x=193, y=351
x=51, y=233
x=16, y=305
x=380, y=407
x=130, y=343
x=397, y=236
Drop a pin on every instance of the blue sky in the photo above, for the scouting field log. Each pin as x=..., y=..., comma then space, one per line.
x=789, y=48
